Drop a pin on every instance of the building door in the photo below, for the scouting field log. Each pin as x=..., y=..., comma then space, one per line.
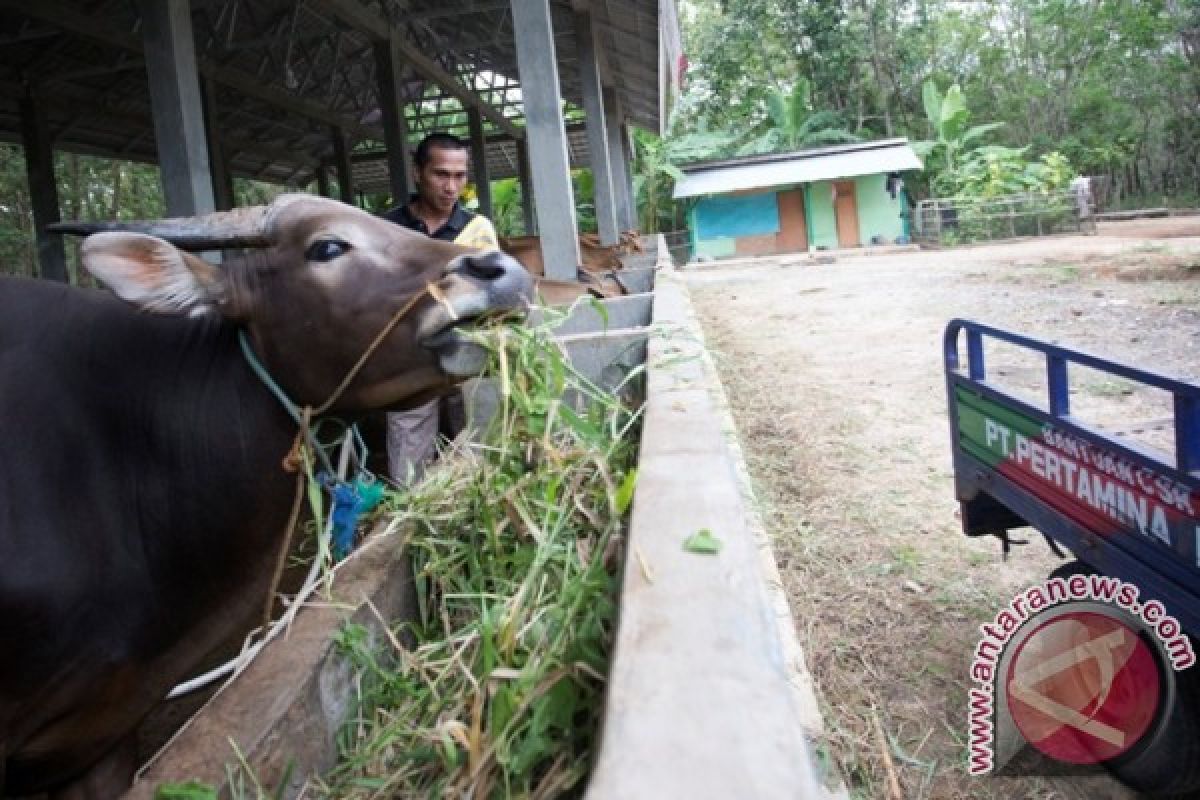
x=793, y=233
x=846, y=211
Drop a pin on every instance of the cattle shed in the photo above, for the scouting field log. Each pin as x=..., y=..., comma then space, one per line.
x=819, y=199
x=335, y=93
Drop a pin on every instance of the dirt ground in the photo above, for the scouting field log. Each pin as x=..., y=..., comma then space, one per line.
x=834, y=372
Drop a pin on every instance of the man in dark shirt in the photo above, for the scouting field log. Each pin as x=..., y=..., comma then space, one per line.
x=440, y=176
x=441, y=173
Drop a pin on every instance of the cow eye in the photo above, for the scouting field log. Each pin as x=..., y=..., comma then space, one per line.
x=326, y=249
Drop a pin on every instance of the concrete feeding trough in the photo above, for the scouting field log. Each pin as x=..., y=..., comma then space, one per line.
x=707, y=697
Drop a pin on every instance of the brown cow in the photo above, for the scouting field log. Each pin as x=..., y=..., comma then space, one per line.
x=594, y=257
x=143, y=498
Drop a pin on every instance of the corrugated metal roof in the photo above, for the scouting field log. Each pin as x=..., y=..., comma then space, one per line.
x=281, y=73
x=804, y=166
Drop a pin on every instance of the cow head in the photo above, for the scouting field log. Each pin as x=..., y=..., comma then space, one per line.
x=318, y=282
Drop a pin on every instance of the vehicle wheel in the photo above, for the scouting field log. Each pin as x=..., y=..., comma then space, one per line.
x=1167, y=762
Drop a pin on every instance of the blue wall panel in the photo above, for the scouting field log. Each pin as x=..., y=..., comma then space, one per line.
x=736, y=215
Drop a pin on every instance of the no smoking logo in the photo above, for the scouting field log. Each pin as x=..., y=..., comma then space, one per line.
x=1083, y=687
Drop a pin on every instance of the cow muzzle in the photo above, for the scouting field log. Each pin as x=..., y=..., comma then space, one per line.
x=484, y=285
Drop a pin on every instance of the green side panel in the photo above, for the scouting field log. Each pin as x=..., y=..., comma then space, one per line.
x=973, y=414
x=878, y=211
x=824, y=224
x=716, y=248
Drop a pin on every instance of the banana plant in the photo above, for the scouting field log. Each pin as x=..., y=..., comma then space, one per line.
x=791, y=123
x=653, y=181
x=948, y=117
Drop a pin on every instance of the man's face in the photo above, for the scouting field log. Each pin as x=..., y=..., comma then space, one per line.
x=443, y=177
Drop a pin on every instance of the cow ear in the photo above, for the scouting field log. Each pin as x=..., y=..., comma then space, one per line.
x=152, y=273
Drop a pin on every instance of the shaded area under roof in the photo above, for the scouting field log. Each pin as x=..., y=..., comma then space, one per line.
x=371, y=169
x=281, y=73
x=801, y=166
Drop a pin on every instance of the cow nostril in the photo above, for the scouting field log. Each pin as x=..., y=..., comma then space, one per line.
x=486, y=268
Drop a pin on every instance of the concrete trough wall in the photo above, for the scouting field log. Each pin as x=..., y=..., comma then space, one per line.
x=284, y=712
x=597, y=316
x=708, y=696
x=636, y=280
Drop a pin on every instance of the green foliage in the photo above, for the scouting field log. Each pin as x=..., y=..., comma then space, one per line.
x=653, y=183
x=16, y=215
x=789, y=123
x=514, y=551
x=992, y=172
x=584, y=185
x=958, y=165
x=792, y=124
x=89, y=188
x=506, y=207
x=946, y=156
x=1112, y=85
x=188, y=790
x=700, y=146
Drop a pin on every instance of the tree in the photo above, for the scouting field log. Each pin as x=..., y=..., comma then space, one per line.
x=792, y=124
x=653, y=182
x=944, y=153
x=1114, y=85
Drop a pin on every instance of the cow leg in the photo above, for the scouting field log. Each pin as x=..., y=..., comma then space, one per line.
x=107, y=778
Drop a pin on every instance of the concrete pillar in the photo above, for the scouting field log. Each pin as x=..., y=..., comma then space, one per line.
x=222, y=179
x=597, y=135
x=341, y=163
x=43, y=189
x=621, y=182
x=526, y=179
x=395, y=124
x=479, y=165
x=175, y=100
x=538, y=69
x=322, y=173
x=627, y=184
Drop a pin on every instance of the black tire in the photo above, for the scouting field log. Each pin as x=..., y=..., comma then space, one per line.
x=1166, y=763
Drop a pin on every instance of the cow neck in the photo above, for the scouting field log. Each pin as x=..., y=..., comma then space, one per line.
x=248, y=353
x=292, y=408
x=304, y=417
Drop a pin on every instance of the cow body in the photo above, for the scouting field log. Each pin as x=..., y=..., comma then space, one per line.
x=143, y=494
x=143, y=525
x=593, y=256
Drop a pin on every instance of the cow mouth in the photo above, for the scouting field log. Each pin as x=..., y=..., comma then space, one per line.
x=458, y=351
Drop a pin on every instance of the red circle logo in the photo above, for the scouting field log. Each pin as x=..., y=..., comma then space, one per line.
x=1083, y=687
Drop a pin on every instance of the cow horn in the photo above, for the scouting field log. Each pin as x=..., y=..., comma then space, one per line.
x=221, y=230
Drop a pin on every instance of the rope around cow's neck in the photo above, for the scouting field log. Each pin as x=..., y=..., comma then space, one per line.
x=304, y=416
x=295, y=458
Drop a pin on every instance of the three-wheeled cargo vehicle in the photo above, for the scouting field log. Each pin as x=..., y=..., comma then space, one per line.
x=1121, y=507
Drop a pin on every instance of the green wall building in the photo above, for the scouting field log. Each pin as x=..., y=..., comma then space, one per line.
x=819, y=199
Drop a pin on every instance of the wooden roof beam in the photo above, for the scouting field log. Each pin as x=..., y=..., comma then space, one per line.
x=358, y=16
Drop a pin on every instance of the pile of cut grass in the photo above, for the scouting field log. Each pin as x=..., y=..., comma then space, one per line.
x=515, y=546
